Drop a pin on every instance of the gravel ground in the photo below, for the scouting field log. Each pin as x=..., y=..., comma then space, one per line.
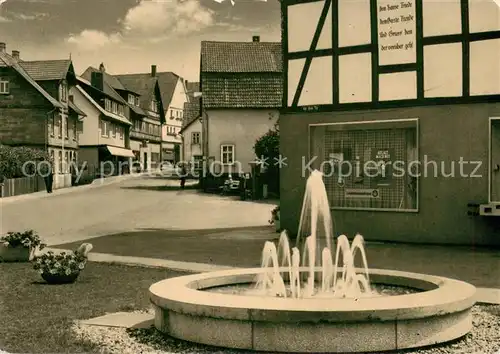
x=484, y=339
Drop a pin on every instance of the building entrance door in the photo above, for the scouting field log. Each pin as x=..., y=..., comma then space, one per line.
x=145, y=161
x=494, y=169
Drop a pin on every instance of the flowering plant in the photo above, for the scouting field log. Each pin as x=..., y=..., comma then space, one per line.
x=60, y=264
x=27, y=239
x=63, y=263
x=275, y=215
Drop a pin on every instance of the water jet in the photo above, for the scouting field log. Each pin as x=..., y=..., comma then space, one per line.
x=316, y=301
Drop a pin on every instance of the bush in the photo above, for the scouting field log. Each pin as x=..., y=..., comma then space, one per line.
x=268, y=146
x=12, y=160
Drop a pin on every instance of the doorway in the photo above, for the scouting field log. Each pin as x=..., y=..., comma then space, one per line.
x=494, y=173
x=145, y=161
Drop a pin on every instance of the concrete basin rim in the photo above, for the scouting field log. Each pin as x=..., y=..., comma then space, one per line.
x=181, y=294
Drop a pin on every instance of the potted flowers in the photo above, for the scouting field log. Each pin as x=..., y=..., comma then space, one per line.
x=275, y=218
x=19, y=246
x=62, y=268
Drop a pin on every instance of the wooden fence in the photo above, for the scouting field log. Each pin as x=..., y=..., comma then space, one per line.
x=24, y=185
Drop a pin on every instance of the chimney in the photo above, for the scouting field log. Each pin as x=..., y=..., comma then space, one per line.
x=15, y=54
x=97, y=80
x=256, y=39
x=102, y=68
x=153, y=70
x=2, y=47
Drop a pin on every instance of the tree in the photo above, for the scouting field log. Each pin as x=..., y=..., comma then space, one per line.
x=268, y=147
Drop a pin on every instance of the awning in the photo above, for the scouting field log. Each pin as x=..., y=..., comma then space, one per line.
x=116, y=151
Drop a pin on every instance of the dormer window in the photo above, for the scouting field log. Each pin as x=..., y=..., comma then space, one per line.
x=154, y=106
x=4, y=87
x=131, y=99
x=63, y=91
x=137, y=101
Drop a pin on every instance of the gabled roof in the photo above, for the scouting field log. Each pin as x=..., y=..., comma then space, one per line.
x=11, y=62
x=144, y=85
x=191, y=108
x=241, y=57
x=241, y=74
x=189, y=122
x=42, y=70
x=191, y=88
x=102, y=110
x=75, y=109
x=168, y=82
x=108, y=83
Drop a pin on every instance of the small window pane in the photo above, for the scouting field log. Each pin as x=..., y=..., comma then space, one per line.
x=443, y=70
x=441, y=17
x=398, y=86
x=355, y=79
x=354, y=22
x=485, y=67
x=484, y=15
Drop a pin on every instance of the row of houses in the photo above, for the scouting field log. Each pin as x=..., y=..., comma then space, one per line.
x=92, y=117
x=144, y=119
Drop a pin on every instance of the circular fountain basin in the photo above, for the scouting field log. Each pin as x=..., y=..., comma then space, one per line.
x=439, y=313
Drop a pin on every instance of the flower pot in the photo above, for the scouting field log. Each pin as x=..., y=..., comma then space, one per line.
x=60, y=278
x=14, y=254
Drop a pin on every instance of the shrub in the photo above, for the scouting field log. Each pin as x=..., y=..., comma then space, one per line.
x=268, y=146
x=12, y=160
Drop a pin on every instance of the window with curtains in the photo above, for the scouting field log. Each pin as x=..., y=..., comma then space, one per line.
x=367, y=166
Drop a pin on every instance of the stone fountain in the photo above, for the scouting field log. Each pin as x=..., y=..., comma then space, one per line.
x=313, y=301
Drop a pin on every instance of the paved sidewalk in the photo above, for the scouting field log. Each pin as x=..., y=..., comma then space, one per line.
x=99, y=182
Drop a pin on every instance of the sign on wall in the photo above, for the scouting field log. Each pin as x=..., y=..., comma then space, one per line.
x=396, y=32
x=362, y=193
x=382, y=160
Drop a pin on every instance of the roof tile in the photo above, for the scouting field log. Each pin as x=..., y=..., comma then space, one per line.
x=241, y=57
x=260, y=90
x=168, y=82
x=42, y=70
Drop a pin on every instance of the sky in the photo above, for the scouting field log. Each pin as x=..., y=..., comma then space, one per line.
x=128, y=36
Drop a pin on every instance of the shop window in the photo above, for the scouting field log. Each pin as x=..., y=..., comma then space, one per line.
x=443, y=70
x=368, y=165
x=354, y=23
x=484, y=16
x=398, y=86
x=485, y=67
x=355, y=78
x=441, y=17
